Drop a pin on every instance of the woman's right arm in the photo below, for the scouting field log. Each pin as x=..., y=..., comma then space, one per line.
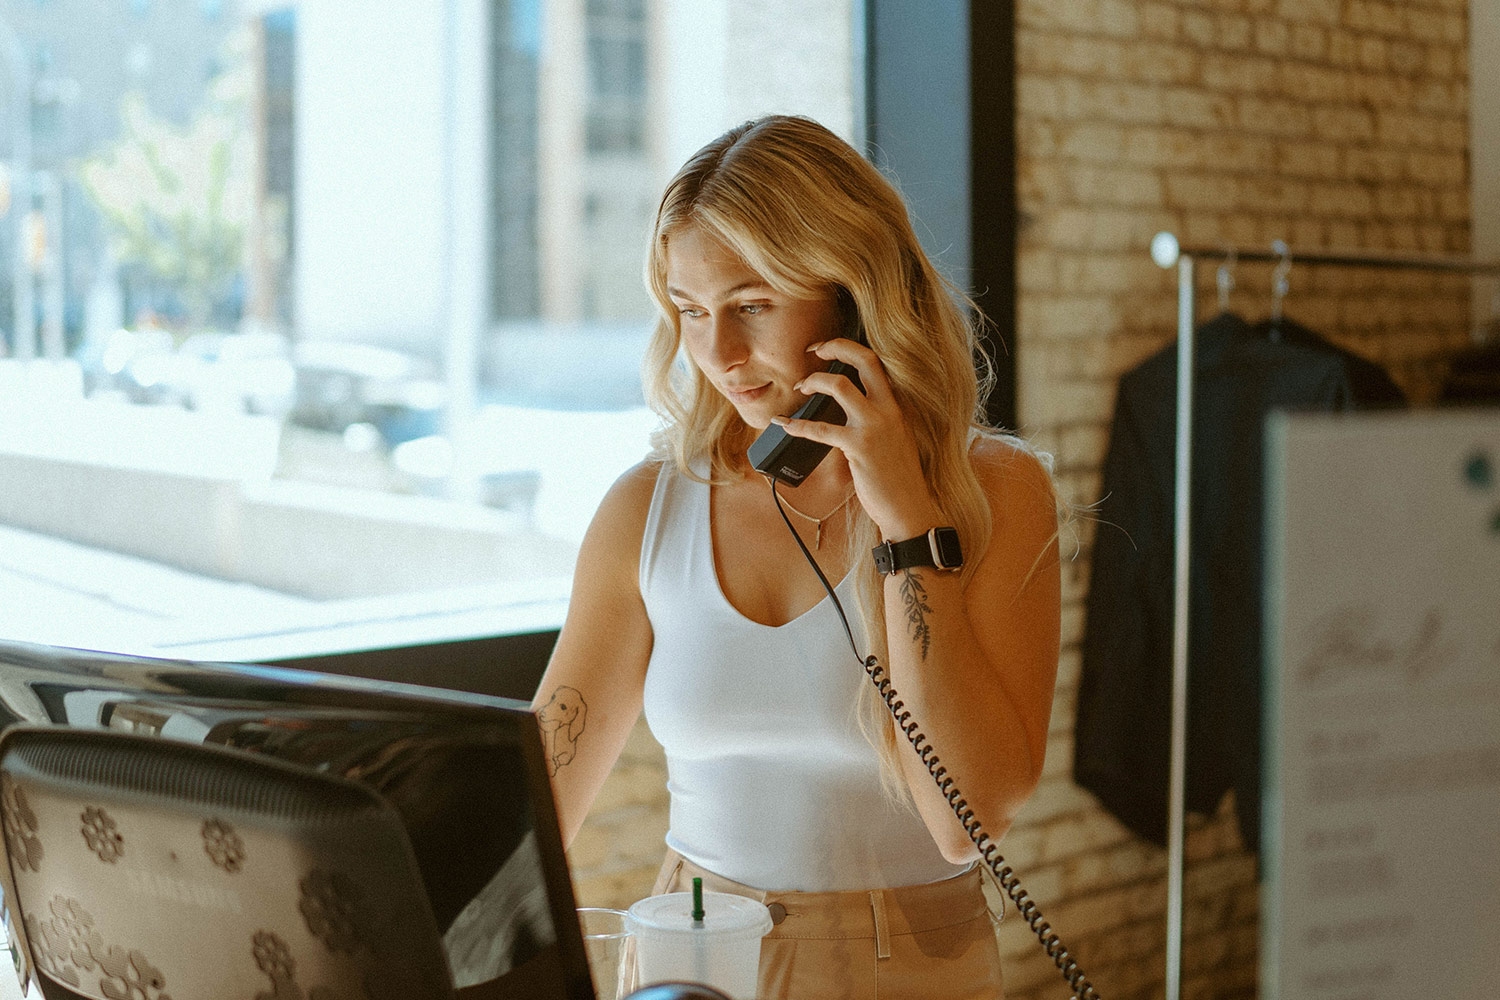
x=590, y=695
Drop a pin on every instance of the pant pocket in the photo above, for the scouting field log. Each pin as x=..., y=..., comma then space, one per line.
x=825, y=969
x=668, y=874
x=959, y=962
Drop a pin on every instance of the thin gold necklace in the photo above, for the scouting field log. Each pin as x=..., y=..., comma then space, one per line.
x=818, y=521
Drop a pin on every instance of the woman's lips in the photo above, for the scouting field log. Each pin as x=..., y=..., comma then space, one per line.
x=747, y=395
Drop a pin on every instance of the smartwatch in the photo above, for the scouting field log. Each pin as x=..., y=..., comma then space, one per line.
x=939, y=548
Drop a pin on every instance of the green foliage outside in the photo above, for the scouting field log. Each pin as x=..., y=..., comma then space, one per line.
x=177, y=200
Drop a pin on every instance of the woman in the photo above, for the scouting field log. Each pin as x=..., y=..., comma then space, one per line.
x=789, y=782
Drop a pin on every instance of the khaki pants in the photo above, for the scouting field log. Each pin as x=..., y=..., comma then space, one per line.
x=919, y=942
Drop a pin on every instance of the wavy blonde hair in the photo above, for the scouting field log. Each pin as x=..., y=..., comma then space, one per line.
x=810, y=215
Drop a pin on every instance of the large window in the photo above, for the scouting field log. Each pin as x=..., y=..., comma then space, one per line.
x=315, y=316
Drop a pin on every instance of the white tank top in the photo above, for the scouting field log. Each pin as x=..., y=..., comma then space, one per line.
x=772, y=784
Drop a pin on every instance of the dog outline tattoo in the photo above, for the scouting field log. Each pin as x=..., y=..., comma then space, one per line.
x=561, y=720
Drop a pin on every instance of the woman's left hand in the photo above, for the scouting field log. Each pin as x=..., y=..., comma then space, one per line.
x=876, y=440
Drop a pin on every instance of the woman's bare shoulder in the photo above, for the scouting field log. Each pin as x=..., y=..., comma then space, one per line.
x=635, y=484
x=1026, y=514
x=1012, y=469
x=609, y=556
x=623, y=510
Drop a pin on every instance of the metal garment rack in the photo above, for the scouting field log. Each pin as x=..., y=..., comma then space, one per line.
x=1168, y=253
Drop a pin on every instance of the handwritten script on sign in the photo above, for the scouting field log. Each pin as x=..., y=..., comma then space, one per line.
x=1382, y=706
x=1354, y=642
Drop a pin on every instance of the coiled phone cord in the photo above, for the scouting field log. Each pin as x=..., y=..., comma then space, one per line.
x=989, y=851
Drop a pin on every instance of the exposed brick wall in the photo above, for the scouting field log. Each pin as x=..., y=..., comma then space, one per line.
x=1327, y=123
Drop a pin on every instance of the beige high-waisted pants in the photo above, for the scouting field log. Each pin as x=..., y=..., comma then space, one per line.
x=919, y=942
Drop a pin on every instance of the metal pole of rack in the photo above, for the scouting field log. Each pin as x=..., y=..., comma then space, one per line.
x=1168, y=252
x=1177, y=788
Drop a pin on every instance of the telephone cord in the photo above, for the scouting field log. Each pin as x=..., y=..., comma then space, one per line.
x=989, y=851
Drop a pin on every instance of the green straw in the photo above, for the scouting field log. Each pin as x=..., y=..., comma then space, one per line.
x=697, y=902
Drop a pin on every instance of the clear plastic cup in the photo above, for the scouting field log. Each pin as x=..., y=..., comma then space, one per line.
x=607, y=943
x=722, y=950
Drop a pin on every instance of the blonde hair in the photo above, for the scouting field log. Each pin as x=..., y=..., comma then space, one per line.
x=809, y=215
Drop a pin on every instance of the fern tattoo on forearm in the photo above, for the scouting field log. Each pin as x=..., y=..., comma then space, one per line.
x=914, y=597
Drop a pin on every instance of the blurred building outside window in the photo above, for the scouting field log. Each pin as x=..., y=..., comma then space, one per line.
x=375, y=278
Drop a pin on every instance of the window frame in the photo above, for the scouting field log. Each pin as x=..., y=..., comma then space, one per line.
x=946, y=124
x=971, y=149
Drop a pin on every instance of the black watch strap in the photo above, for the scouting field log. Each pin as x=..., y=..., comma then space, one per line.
x=939, y=548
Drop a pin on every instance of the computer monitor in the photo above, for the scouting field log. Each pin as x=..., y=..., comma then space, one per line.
x=165, y=818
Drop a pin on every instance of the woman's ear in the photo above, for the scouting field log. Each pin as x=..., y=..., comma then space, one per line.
x=850, y=325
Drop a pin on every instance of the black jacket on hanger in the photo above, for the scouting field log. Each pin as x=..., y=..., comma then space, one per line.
x=1372, y=385
x=1123, y=729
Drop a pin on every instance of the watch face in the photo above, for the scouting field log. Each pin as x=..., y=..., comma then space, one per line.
x=950, y=554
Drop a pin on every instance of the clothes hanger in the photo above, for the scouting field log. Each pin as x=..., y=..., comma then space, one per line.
x=1280, y=285
x=1225, y=278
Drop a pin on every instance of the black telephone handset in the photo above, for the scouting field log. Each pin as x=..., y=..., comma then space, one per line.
x=782, y=456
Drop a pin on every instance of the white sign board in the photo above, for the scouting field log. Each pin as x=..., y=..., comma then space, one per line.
x=1382, y=743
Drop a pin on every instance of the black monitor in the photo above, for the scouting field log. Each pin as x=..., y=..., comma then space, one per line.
x=174, y=827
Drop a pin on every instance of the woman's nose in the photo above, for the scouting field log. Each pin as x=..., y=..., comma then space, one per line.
x=726, y=343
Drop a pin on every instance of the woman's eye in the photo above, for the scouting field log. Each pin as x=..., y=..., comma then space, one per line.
x=753, y=307
x=692, y=312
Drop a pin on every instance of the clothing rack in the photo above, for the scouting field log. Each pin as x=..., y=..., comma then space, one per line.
x=1168, y=252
